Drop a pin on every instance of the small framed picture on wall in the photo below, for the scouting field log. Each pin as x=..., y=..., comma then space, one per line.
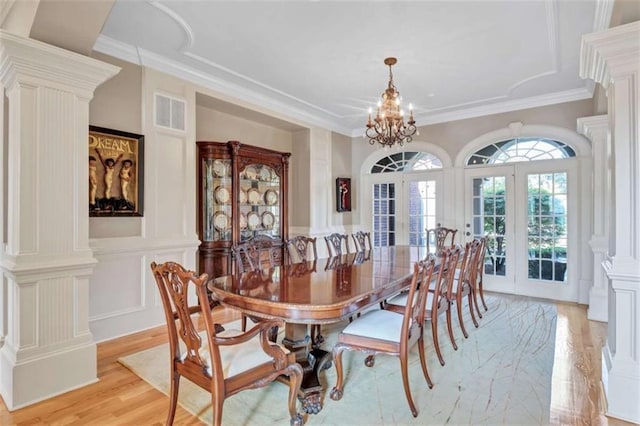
x=343, y=194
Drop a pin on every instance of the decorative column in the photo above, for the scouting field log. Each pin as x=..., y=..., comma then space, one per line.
x=46, y=261
x=612, y=58
x=596, y=129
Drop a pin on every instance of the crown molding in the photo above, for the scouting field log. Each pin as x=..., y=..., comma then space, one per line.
x=611, y=53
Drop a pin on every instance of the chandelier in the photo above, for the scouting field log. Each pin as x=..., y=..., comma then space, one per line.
x=388, y=127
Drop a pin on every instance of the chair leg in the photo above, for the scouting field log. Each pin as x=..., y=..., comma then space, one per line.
x=459, y=309
x=423, y=362
x=294, y=372
x=482, y=296
x=473, y=316
x=405, y=383
x=336, y=392
x=436, y=342
x=475, y=302
x=450, y=329
x=244, y=322
x=173, y=396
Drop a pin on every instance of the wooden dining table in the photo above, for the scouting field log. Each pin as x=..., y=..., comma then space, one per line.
x=318, y=292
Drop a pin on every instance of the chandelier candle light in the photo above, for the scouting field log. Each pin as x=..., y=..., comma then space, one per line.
x=388, y=128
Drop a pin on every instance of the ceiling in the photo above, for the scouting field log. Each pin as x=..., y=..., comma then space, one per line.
x=321, y=62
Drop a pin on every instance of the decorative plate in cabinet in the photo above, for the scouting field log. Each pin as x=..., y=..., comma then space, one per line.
x=221, y=221
x=222, y=194
x=253, y=220
x=271, y=197
x=265, y=174
x=243, y=221
x=219, y=168
x=250, y=173
x=253, y=196
x=268, y=220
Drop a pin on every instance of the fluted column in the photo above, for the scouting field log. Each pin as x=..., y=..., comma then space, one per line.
x=46, y=262
x=597, y=130
x=612, y=58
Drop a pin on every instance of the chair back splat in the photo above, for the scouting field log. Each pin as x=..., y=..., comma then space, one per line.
x=301, y=249
x=334, y=244
x=229, y=361
x=442, y=237
x=362, y=240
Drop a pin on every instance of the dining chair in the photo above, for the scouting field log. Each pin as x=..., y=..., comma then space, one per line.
x=438, y=297
x=442, y=237
x=362, y=240
x=465, y=281
x=334, y=244
x=385, y=332
x=223, y=363
x=301, y=249
x=261, y=252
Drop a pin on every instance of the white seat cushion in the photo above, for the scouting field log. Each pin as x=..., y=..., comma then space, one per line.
x=378, y=324
x=237, y=358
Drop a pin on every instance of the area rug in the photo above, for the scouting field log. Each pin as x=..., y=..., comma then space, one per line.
x=501, y=374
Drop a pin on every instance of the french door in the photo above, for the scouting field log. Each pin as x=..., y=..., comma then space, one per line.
x=526, y=211
x=404, y=205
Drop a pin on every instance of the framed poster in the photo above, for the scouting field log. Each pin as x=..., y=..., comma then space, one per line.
x=343, y=194
x=116, y=161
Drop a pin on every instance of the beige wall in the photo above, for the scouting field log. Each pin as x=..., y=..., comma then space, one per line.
x=299, y=194
x=117, y=104
x=212, y=125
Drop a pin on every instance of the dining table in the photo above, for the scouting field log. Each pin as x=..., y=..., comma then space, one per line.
x=318, y=292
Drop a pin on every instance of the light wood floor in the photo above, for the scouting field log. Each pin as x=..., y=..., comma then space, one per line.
x=122, y=398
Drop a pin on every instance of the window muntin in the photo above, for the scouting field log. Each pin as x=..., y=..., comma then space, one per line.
x=407, y=161
x=521, y=149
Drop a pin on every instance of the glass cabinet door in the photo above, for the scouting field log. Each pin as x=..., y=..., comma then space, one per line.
x=216, y=215
x=259, y=202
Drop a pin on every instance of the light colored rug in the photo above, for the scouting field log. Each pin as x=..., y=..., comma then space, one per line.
x=501, y=374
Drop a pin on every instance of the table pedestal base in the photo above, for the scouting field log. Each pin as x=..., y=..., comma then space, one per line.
x=312, y=361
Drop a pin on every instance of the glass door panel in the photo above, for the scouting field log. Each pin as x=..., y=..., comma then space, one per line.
x=384, y=214
x=549, y=235
x=421, y=210
x=490, y=214
x=547, y=226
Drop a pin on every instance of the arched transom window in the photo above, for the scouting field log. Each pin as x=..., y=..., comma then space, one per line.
x=407, y=161
x=521, y=149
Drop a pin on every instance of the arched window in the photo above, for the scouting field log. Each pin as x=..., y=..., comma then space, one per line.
x=407, y=161
x=521, y=149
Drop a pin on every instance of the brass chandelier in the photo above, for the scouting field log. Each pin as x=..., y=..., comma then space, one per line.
x=388, y=127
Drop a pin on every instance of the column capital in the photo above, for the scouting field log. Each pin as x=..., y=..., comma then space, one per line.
x=611, y=53
x=25, y=59
x=594, y=127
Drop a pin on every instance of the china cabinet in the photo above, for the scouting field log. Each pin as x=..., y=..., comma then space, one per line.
x=242, y=193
